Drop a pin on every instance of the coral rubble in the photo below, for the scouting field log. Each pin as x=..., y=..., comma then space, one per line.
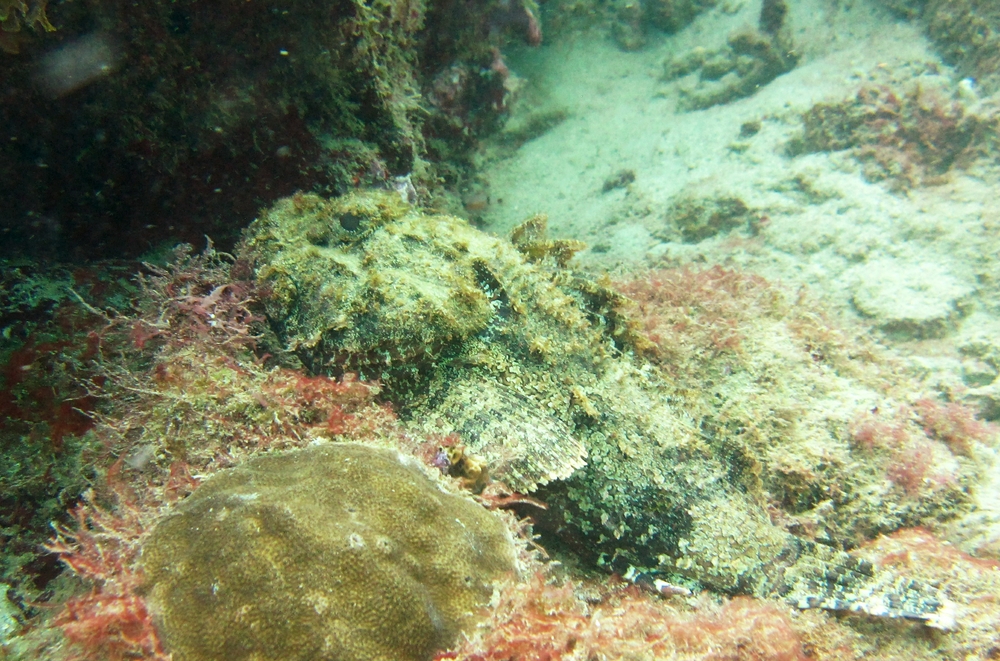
x=966, y=34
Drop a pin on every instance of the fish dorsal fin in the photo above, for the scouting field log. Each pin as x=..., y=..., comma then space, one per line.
x=522, y=442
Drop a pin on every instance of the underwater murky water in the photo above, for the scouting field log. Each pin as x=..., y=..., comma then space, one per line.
x=649, y=329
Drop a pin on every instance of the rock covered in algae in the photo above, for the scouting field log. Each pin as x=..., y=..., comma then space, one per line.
x=473, y=334
x=338, y=551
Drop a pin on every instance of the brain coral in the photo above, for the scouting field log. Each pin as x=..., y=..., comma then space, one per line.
x=340, y=551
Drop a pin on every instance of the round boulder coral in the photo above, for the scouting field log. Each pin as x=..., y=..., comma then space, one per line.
x=340, y=552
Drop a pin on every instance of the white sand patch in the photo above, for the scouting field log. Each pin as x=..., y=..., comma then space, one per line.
x=819, y=219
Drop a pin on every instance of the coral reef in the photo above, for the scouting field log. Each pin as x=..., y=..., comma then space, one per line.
x=184, y=388
x=910, y=136
x=336, y=551
x=179, y=395
x=539, y=374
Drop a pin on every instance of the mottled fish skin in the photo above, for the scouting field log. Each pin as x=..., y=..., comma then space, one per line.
x=521, y=443
x=838, y=581
x=527, y=365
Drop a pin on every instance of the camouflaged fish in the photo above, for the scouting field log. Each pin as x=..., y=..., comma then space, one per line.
x=489, y=339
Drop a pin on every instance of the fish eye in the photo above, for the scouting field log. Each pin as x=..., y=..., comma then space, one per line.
x=350, y=221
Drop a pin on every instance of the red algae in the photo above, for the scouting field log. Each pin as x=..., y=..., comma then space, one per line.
x=909, y=441
x=112, y=621
x=686, y=310
x=187, y=392
x=547, y=620
x=955, y=424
